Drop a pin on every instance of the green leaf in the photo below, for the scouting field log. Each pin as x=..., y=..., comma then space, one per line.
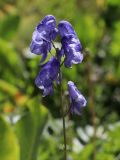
x=29, y=129
x=115, y=47
x=114, y=2
x=25, y=131
x=87, y=152
x=9, y=25
x=104, y=156
x=9, y=149
x=9, y=58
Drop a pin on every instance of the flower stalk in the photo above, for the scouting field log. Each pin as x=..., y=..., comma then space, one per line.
x=63, y=118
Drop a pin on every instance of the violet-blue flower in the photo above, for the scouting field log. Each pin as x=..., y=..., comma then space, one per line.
x=47, y=75
x=70, y=44
x=77, y=100
x=44, y=33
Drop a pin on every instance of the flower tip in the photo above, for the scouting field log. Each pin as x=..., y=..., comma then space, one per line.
x=63, y=22
x=85, y=103
x=65, y=28
x=70, y=83
x=49, y=16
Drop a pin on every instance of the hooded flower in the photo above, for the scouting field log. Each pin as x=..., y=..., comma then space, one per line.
x=44, y=33
x=70, y=44
x=47, y=75
x=77, y=100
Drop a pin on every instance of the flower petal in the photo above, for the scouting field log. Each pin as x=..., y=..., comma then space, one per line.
x=48, y=75
x=77, y=100
x=44, y=33
x=70, y=44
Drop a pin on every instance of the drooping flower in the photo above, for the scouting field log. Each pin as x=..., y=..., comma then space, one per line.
x=77, y=100
x=47, y=76
x=44, y=33
x=70, y=44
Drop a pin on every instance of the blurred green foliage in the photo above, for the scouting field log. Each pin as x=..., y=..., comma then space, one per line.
x=30, y=125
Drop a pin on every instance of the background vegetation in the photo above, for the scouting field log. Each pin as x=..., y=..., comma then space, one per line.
x=30, y=126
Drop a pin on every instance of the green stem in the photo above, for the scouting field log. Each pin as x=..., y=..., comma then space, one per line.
x=64, y=132
x=63, y=117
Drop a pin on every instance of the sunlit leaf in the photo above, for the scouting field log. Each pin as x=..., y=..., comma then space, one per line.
x=9, y=148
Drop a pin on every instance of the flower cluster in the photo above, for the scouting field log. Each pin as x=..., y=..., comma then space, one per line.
x=41, y=44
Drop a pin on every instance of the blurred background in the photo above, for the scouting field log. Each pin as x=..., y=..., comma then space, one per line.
x=30, y=126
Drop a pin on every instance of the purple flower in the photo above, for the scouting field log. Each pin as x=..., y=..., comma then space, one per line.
x=47, y=75
x=77, y=100
x=70, y=44
x=44, y=33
